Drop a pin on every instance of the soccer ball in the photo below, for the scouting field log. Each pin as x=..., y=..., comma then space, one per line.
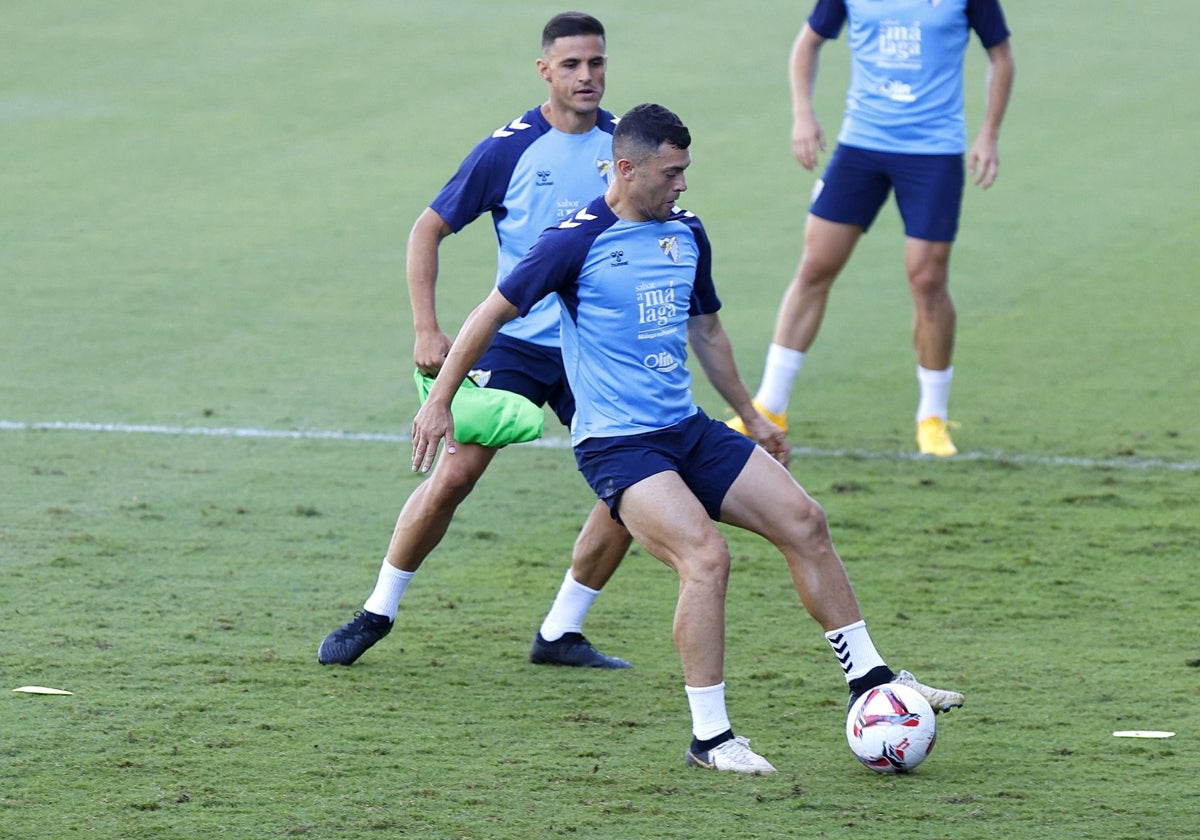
x=891, y=728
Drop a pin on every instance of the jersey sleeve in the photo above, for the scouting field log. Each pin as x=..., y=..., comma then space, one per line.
x=827, y=17
x=704, y=291
x=552, y=264
x=481, y=182
x=987, y=19
x=477, y=187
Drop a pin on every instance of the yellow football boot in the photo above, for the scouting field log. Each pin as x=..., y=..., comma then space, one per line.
x=779, y=420
x=933, y=437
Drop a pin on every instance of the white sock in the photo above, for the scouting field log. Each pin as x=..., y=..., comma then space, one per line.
x=569, y=609
x=935, y=392
x=709, y=718
x=779, y=372
x=389, y=589
x=854, y=649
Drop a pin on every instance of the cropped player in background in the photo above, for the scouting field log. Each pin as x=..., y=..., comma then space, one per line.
x=904, y=130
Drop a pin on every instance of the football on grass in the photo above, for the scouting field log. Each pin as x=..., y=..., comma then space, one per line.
x=891, y=728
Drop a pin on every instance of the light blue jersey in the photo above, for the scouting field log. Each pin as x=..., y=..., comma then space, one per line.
x=626, y=291
x=906, y=82
x=529, y=176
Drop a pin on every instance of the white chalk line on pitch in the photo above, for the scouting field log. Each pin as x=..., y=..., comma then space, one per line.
x=563, y=443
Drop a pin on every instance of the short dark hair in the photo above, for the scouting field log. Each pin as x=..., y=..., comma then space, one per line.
x=644, y=128
x=569, y=24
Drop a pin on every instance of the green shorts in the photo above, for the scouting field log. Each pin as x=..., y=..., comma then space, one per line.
x=489, y=416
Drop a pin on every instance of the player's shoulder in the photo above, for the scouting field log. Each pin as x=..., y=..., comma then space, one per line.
x=686, y=217
x=500, y=150
x=595, y=215
x=531, y=123
x=607, y=121
x=521, y=131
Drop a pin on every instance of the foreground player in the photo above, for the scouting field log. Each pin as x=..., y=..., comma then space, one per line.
x=530, y=174
x=632, y=273
x=904, y=129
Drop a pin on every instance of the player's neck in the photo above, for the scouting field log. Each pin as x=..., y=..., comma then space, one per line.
x=623, y=206
x=567, y=121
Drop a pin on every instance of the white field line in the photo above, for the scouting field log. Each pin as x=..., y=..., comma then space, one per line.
x=563, y=443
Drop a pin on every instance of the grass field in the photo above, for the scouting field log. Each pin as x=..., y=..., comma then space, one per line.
x=201, y=266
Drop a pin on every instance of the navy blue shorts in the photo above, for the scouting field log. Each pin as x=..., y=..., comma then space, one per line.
x=929, y=190
x=531, y=370
x=708, y=456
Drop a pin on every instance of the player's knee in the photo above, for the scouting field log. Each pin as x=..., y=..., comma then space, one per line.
x=816, y=274
x=809, y=519
x=451, y=483
x=708, y=564
x=928, y=278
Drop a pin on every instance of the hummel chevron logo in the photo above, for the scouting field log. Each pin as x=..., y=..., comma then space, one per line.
x=841, y=649
x=513, y=127
x=578, y=219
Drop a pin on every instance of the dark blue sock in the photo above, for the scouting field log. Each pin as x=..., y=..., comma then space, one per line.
x=876, y=676
x=699, y=746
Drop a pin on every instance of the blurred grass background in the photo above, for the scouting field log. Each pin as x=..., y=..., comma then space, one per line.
x=206, y=206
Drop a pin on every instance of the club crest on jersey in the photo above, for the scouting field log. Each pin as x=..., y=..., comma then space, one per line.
x=670, y=247
x=480, y=377
x=604, y=168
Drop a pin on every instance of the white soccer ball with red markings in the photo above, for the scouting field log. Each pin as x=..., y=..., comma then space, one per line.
x=891, y=728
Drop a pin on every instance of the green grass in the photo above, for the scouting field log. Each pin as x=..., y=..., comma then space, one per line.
x=205, y=213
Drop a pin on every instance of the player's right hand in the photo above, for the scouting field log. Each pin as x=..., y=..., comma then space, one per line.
x=808, y=139
x=770, y=437
x=429, y=351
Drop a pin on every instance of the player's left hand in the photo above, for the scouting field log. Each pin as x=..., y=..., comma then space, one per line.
x=983, y=162
x=432, y=424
